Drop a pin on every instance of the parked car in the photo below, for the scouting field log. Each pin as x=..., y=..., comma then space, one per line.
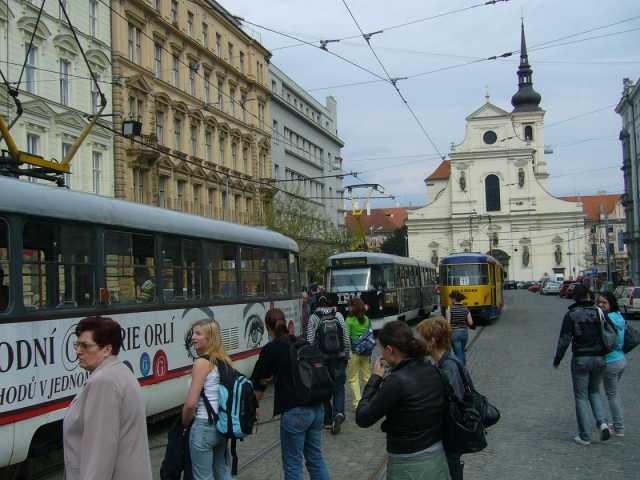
x=564, y=287
x=521, y=285
x=534, y=287
x=510, y=285
x=629, y=301
x=551, y=288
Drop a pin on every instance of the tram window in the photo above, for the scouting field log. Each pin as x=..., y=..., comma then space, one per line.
x=130, y=267
x=4, y=266
x=252, y=262
x=277, y=273
x=180, y=270
x=377, y=278
x=465, y=274
x=389, y=276
x=294, y=274
x=221, y=269
x=76, y=276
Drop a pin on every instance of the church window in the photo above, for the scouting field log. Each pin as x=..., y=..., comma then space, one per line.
x=521, y=177
x=528, y=133
x=492, y=193
x=490, y=137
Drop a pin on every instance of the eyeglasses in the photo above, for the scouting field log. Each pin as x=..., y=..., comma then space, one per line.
x=83, y=345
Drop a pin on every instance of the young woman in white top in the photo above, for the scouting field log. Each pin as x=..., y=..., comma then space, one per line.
x=206, y=444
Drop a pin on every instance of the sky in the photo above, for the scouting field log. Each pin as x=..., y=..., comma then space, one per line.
x=579, y=77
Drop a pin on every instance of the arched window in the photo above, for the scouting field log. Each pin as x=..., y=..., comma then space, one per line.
x=528, y=133
x=492, y=193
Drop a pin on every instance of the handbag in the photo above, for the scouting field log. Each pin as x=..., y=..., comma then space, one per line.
x=176, y=464
x=608, y=333
x=365, y=343
x=489, y=413
x=631, y=338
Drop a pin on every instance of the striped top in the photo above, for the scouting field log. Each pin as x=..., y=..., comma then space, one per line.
x=458, y=316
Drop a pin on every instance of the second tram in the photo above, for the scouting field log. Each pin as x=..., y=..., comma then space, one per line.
x=478, y=277
x=393, y=287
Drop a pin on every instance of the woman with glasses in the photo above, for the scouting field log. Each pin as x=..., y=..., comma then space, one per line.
x=105, y=429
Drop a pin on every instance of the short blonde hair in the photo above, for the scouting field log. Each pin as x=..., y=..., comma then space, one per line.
x=438, y=330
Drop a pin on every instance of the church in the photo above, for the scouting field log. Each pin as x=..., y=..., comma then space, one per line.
x=492, y=196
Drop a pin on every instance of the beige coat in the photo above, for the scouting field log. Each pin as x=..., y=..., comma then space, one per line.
x=105, y=428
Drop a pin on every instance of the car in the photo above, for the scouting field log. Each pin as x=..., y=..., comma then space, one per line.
x=510, y=285
x=521, y=285
x=534, y=287
x=629, y=301
x=550, y=288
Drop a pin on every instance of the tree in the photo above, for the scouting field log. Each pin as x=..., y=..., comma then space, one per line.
x=303, y=221
x=396, y=243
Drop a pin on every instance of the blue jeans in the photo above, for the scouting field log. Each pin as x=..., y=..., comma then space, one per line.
x=301, y=438
x=612, y=374
x=587, y=373
x=459, y=340
x=208, y=452
x=336, y=404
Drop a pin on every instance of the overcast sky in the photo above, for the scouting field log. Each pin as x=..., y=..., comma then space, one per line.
x=573, y=79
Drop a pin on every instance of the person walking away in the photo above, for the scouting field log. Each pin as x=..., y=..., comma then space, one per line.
x=581, y=328
x=413, y=410
x=437, y=334
x=359, y=366
x=460, y=319
x=615, y=362
x=104, y=430
x=206, y=445
x=300, y=425
x=328, y=330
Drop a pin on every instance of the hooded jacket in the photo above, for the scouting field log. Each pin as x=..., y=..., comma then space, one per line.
x=581, y=328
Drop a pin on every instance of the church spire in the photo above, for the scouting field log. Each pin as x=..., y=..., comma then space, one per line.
x=526, y=99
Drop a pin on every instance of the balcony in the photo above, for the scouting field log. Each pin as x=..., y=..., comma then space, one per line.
x=145, y=152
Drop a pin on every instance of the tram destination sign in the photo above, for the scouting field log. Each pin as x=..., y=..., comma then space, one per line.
x=349, y=262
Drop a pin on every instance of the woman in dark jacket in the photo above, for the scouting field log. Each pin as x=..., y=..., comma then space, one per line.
x=414, y=409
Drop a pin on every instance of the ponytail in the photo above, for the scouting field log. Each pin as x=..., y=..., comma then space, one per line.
x=400, y=336
x=275, y=321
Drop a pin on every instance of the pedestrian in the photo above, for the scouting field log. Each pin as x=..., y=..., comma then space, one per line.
x=411, y=398
x=437, y=334
x=615, y=362
x=207, y=446
x=359, y=366
x=581, y=328
x=300, y=426
x=105, y=429
x=328, y=330
x=460, y=319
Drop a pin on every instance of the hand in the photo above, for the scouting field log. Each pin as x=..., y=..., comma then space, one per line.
x=378, y=367
x=556, y=365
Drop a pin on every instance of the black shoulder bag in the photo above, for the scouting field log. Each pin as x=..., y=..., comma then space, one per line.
x=488, y=412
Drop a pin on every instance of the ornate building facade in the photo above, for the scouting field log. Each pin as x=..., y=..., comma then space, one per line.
x=56, y=90
x=492, y=197
x=200, y=87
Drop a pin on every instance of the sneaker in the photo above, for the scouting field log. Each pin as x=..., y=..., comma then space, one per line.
x=605, y=433
x=580, y=441
x=337, y=423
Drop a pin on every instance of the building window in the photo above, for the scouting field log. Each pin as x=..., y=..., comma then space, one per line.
x=156, y=4
x=194, y=140
x=528, y=133
x=135, y=48
x=232, y=100
x=211, y=202
x=234, y=155
x=218, y=44
x=492, y=193
x=97, y=172
x=174, y=12
x=138, y=185
x=192, y=81
x=205, y=35
x=93, y=17
x=243, y=101
x=245, y=158
x=33, y=144
x=261, y=115
x=220, y=97
x=180, y=189
x=620, y=241
x=162, y=192
x=231, y=53
x=190, y=24
x=95, y=95
x=241, y=62
x=160, y=127
x=177, y=133
x=208, y=147
x=175, y=68
x=276, y=171
x=275, y=132
x=196, y=200
x=158, y=60
x=30, y=68
x=207, y=90
x=64, y=81
x=224, y=205
x=221, y=141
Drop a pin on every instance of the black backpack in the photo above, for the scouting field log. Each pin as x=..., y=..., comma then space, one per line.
x=330, y=335
x=311, y=378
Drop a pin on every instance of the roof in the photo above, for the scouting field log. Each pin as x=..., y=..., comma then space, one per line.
x=467, y=258
x=442, y=172
x=376, y=258
x=380, y=220
x=591, y=204
x=21, y=197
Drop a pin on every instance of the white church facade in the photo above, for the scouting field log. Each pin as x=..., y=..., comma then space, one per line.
x=491, y=196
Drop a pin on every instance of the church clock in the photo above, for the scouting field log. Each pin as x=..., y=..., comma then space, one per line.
x=490, y=137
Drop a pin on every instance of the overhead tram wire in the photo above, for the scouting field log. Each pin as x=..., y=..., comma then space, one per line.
x=553, y=124
x=234, y=101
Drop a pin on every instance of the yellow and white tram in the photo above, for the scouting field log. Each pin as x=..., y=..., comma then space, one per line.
x=67, y=255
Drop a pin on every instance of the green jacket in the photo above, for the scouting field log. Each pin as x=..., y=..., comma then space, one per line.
x=356, y=329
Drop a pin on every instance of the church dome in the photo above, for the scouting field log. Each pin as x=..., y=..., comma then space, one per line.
x=526, y=99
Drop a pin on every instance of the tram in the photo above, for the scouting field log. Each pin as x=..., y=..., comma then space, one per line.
x=479, y=277
x=393, y=287
x=67, y=255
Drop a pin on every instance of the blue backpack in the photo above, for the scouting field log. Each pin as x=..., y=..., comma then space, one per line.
x=237, y=402
x=365, y=343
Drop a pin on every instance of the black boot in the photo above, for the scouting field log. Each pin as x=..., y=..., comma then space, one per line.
x=455, y=468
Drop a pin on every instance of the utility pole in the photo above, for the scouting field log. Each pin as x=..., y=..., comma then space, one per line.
x=569, y=253
x=606, y=245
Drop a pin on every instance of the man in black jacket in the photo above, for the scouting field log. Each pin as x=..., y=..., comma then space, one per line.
x=581, y=328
